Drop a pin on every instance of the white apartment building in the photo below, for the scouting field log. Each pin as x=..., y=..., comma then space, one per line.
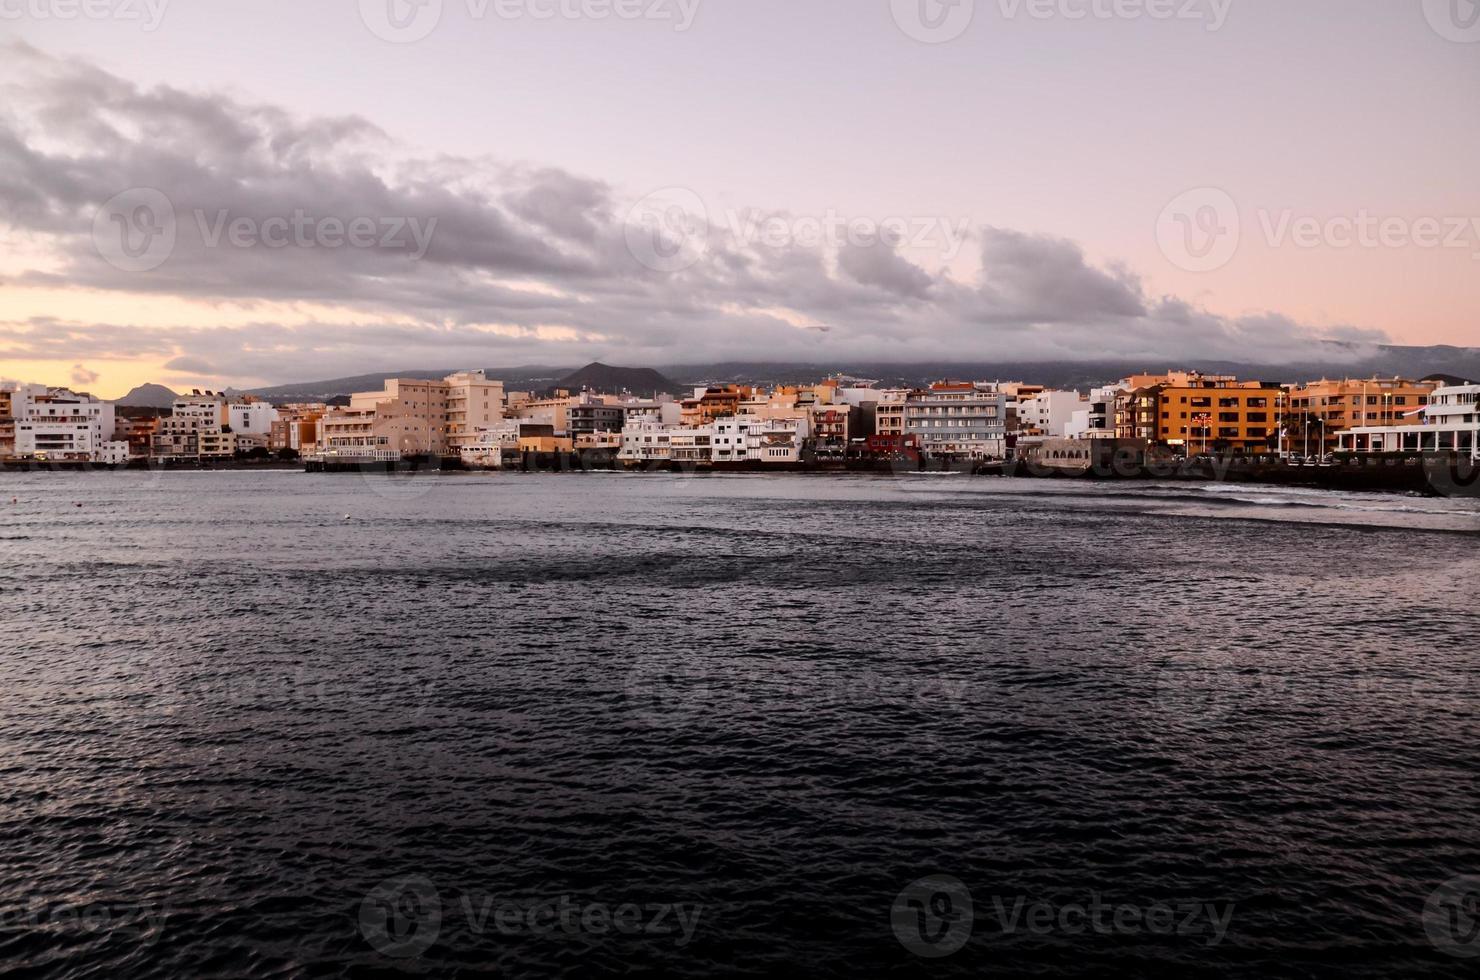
x=646, y=441
x=490, y=444
x=666, y=411
x=756, y=439
x=250, y=416
x=1096, y=418
x=692, y=445
x=1049, y=413
x=956, y=419
x=58, y=424
x=1451, y=424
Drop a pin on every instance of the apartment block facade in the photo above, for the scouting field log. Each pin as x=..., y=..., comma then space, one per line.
x=953, y=419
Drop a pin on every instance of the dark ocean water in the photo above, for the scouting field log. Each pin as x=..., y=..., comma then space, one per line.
x=536, y=726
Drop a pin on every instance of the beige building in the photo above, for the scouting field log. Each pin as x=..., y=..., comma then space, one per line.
x=197, y=420
x=408, y=418
x=473, y=402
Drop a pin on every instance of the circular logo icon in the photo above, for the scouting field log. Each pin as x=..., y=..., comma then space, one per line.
x=1451, y=917
x=1454, y=20
x=933, y=21
x=402, y=917
x=667, y=231
x=135, y=230
x=401, y=21
x=1200, y=230
x=1457, y=476
x=932, y=917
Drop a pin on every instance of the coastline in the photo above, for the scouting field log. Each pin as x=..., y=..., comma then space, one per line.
x=1437, y=476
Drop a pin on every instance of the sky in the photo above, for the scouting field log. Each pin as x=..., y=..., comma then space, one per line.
x=205, y=193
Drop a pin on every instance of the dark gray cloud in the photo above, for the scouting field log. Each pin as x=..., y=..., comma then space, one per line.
x=519, y=263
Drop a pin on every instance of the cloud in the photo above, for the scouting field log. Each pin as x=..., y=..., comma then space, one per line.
x=522, y=264
x=82, y=376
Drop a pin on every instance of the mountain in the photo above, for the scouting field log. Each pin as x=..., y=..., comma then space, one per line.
x=148, y=396
x=517, y=379
x=1344, y=361
x=605, y=378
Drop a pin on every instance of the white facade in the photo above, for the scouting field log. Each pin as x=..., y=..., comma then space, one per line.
x=1451, y=424
x=57, y=424
x=753, y=439
x=645, y=441
x=959, y=420
x=1095, y=419
x=251, y=418
x=1049, y=413
x=486, y=451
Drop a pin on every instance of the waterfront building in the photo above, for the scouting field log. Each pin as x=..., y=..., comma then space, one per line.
x=473, y=402
x=1450, y=423
x=249, y=415
x=407, y=418
x=647, y=441
x=138, y=431
x=1048, y=413
x=296, y=427
x=957, y=419
x=756, y=439
x=553, y=410
x=889, y=412
x=832, y=428
x=665, y=410
x=590, y=415
x=1199, y=413
x=58, y=424
x=1335, y=406
x=7, y=422
x=196, y=418
x=692, y=445
x=1095, y=419
x=709, y=404
x=538, y=437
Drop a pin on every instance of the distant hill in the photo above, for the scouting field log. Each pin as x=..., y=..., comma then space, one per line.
x=148, y=396
x=1345, y=361
x=605, y=378
x=520, y=378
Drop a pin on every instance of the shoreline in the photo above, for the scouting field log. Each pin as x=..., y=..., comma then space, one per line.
x=1429, y=476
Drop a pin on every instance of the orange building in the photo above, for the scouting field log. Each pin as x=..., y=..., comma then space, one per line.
x=1336, y=406
x=7, y=424
x=709, y=404
x=1201, y=413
